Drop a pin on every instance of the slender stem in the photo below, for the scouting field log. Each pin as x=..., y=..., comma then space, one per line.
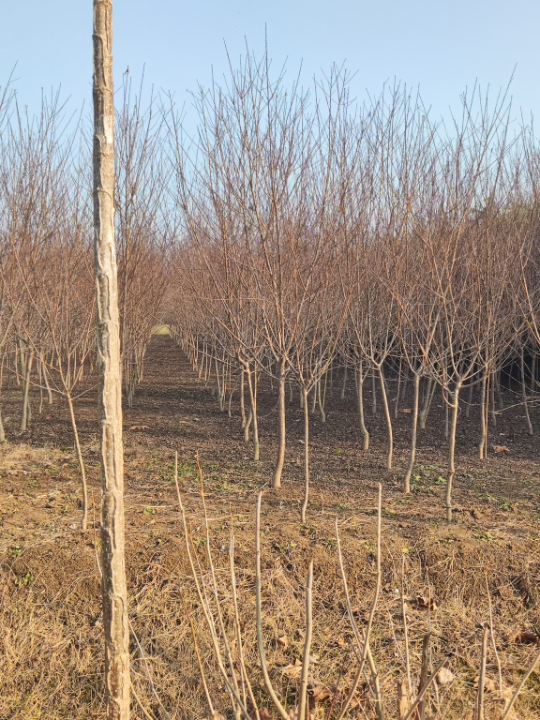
x=493, y=635
x=260, y=642
x=302, y=712
x=520, y=686
x=80, y=459
x=482, y=678
x=405, y=628
x=374, y=602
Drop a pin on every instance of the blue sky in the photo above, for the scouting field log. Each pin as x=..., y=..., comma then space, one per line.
x=442, y=47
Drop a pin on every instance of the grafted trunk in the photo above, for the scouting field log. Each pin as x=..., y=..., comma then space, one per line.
x=115, y=608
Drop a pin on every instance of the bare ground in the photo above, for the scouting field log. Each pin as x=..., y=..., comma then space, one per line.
x=50, y=642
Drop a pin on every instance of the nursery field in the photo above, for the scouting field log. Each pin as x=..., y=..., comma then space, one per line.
x=448, y=581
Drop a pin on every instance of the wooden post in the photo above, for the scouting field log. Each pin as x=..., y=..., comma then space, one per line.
x=115, y=616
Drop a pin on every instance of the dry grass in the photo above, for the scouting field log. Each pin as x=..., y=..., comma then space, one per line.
x=51, y=645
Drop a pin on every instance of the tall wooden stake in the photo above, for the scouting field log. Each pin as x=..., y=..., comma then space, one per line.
x=115, y=617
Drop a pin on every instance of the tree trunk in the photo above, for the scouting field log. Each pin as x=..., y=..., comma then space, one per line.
x=430, y=390
x=396, y=406
x=306, y=454
x=114, y=589
x=344, y=386
x=242, y=399
x=492, y=402
x=452, y=452
x=388, y=419
x=524, y=392
x=533, y=374
x=220, y=380
x=446, y=412
x=407, y=479
x=26, y=392
x=500, y=400
x=2, y=429
x=405, y=381
x=40, y=382
x=315, y=396
x=321, y=397
x=276, y=482
x=360, y=395
x=483, y=436
x=469, y=401
x=252, y=387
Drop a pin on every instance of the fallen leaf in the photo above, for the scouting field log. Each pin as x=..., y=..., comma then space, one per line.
x=320, y=693
x=342, y=644
x=525, y=638
x=445, y=677
x=282, y=640
x=406, y=410
x=426, y=603
x=489, y=684
x=293, y=671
